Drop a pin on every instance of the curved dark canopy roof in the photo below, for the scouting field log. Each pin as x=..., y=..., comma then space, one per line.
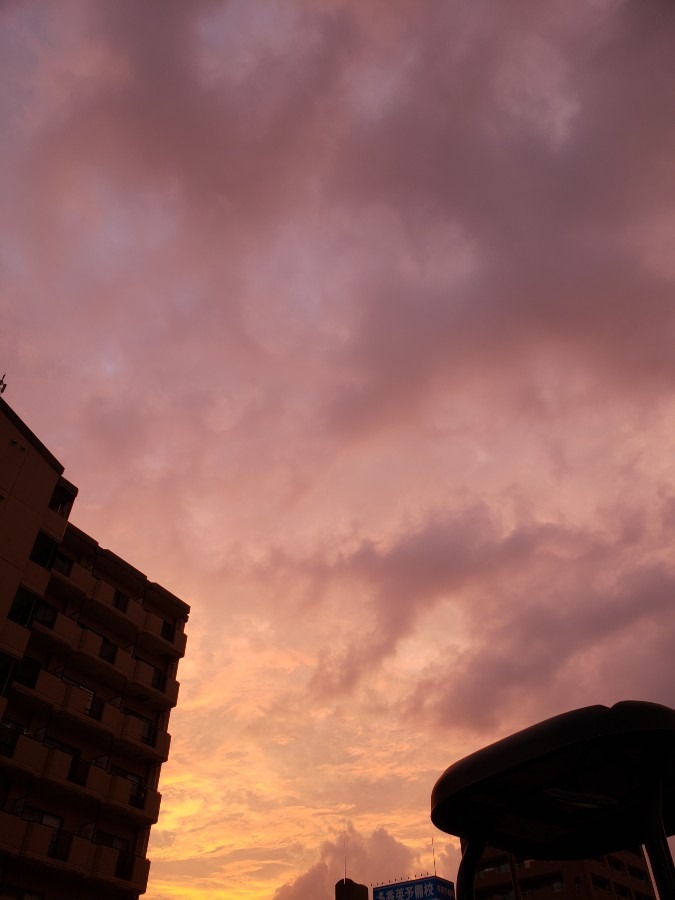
x=577, y=785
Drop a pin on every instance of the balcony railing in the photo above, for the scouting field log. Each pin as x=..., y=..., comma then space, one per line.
x=81, y=578
x=54, y=524
x=142, y=802
x=91, y=709
x=30, y=755
x=26, y=753
x=163, y=688
x=35, y=577
x=120, y=868
x=115, y=607
x=9, y=736
x=53, y=846
x=63, y=629
x=105, y=657
x=76, y=773
x=146, y=741
x=163, y=636
x=13, y=638
x=12, y=833
x=46, y=687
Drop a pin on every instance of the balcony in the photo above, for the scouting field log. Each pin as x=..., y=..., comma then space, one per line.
x=82, y=579
x=115, y=609
x=27, y=754
x=143, y=741
x=121, y=869
x=35, y=577
x=12, y=833
x=162, y=637
x=47, y=688
x=103, y=658
x=140, y=802
x=54, y=524
x=64, y=630
x=158, y=689
x=13, y=638
x=76, y=774
x=49, y=846
x=91, y=710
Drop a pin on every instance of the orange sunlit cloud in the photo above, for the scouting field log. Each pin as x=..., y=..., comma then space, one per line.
x=353, y=323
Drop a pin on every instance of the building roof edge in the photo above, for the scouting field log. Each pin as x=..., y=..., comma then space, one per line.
x=18, y=422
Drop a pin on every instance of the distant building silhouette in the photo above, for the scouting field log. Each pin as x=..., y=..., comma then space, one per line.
x=614, y=875
x=89, y=650
x=346, y=889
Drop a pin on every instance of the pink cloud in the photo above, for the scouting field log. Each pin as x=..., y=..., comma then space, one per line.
x=353, y=323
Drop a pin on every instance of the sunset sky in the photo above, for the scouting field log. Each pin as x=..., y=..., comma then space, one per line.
x=354, y=323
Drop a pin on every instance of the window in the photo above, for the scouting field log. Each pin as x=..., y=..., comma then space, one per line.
x=26, y=672
x=121, y=601
x=59, y=846
x=62, y=501
x=108, y=650
x=27, y=608
x=79, y=769
x=158, y=679
x=168, y=631
x=9, y=735
x=137, y=790
x=124, y=866
x=45, y=614
x=62, y=563
x=157, y=676
x=148, y=730
x=6, y=670
x=498, y=864
x=44, y=550
x=22, y=607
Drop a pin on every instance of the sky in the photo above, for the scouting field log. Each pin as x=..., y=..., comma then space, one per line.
x=354, y=323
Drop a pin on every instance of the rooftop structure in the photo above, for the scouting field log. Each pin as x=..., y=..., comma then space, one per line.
x=584, y=785
x=346, y=889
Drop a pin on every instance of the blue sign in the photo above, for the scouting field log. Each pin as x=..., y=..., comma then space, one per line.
x=429, y=888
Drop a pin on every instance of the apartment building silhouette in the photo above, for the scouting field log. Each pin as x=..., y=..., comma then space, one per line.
x=614, y=876
x=89, y=650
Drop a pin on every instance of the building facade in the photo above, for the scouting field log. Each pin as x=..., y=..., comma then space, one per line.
x=89, y=650
x=614, y=876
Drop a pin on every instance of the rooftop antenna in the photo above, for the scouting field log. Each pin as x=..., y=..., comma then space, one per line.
x=433, y=852
x=3, y=383
x=345, y=849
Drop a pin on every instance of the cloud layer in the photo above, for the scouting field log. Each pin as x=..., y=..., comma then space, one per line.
x=354, y=324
